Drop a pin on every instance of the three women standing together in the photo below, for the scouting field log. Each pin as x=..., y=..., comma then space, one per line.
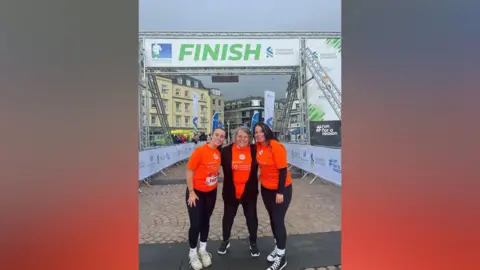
x=240, y=162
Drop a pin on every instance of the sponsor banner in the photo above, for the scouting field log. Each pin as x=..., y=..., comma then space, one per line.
x=255, y=120
x=329, y=53
x=320, y=161
x=154, y=160
x=326, y=133
x=215, y=121
x=222, y=52
x=269, y=107
x=195, y=111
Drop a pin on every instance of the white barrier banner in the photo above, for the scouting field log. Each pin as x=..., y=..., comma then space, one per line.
x=320, y=161
x=154, y=160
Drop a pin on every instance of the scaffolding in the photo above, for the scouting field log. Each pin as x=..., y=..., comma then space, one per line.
x=328, y=87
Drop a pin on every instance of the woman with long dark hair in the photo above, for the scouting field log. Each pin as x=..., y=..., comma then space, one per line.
x=202, y=180
x=240, y=186
x=276, y=189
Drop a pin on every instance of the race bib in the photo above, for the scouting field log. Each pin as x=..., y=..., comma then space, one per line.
x=211, y=179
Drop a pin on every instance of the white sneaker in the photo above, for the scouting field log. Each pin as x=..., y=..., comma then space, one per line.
x=195, y=262
x=205, y=257
x=271, y=257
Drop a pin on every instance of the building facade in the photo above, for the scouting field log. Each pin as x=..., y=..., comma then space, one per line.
x=239, y=112
x=177, y=97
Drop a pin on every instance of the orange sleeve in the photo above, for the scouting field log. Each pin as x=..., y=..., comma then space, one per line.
x=195, y=159
x=279, y=155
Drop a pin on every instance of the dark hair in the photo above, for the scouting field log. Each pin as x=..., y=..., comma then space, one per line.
x=221, y=128
x=267, y=131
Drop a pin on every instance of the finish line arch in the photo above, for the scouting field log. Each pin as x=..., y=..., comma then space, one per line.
x=195, y=53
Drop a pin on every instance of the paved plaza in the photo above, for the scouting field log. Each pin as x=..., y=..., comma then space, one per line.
x=315, y=208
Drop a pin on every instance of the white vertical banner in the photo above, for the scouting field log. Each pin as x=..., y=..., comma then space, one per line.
x=195, y=112
x=269, y=107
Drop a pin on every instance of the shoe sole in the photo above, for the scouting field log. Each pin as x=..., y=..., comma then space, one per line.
x=285, y=265
x=255, y=255
x=225, y=252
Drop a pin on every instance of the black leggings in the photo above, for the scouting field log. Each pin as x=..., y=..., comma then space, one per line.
x=250, y=212
x=200, y=216
x=277, y=213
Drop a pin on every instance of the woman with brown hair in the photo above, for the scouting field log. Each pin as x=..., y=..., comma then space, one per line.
x=240, y=186
x=201, y=195
x=276, y=189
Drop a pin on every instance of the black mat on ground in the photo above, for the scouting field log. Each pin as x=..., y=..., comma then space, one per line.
x=303, y=251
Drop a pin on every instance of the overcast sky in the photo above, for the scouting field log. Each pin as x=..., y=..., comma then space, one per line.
x=247, y=15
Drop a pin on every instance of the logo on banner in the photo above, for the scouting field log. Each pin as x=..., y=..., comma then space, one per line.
x=269, y=122
x=315, y=160
x=335, y=165
x=158, y=159
x=168, y=156
x=269, y=52
x=162, y=51
x=195, y=123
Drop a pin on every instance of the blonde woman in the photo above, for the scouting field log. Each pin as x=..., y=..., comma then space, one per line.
x=240, y=186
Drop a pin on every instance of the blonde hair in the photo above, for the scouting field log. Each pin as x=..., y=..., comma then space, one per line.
x=243, y=129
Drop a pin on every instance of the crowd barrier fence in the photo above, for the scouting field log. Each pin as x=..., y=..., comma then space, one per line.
x=321, y=162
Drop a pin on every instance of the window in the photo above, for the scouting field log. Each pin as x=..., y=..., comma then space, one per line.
x=165, y=102
x=186, y=93
x=143, y=100
x=195, y=84
x=219, y=102
x=177, y=121
x=179, y=80
x=164, y=88
x=187, y=107
x=187, y=121
x=153, y=102
x=202, y=96
x=188, y=82
x=177, y=91
x=154, y=119
x=177, y=107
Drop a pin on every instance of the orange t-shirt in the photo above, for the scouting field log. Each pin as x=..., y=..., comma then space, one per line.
x=205, y=162
x=270, y=159
x=241, y=166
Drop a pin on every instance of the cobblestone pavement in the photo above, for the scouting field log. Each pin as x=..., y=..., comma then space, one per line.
x=163, y=214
